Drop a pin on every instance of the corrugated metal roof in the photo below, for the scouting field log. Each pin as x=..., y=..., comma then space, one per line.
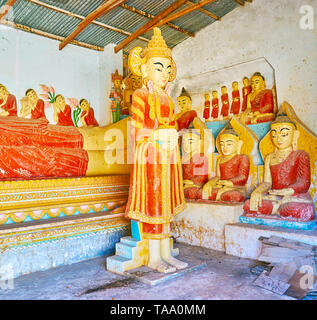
x=60, y=24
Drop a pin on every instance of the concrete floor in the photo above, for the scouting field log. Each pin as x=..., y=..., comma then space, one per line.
x=224, y=278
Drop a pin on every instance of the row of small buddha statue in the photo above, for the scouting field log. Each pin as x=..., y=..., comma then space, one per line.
x=33, y=107
x=256, y=105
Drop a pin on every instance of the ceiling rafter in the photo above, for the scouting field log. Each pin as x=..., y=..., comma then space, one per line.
x=183, y=12
x=240, y=2
x=151, y=16
x=74, y=15
x=101, y=10
x=208, y=13
x=149, y=24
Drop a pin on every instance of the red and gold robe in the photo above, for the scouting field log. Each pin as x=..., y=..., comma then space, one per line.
x=235, y=105
x=65, y=117
x=207, y=110
x=197, y=171
x=235, y=170
x=38, y=112
x=10, y=105
x=89, y=118
x=215, y=108
x=294, y=173
x=245, y=93
x=185, y=119
x=156, y=189
x=225, y=105
x=33, y=149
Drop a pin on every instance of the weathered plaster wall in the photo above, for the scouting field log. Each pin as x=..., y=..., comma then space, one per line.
x=268, y=29
x=27, y=60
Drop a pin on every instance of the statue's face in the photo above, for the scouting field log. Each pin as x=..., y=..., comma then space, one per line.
x=282, y=135
x=214, y=94
x=224, y=90
x=190, y=143
x=229, y=144
x=257, y=83
x=60, y=100
x=32, y=95
x=158, y=70
x=136, y=82
x=235, y=86
x=207, y=97
x=85, y=105
x=246, y=82
x=3, y=92
x=184, y=103
x=117, y=83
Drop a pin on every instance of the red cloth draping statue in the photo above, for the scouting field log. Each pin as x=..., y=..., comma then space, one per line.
x=8, y=103
x=225, y=102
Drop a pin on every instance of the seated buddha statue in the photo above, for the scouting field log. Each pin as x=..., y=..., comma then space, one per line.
x=232, y=170
x=32, y=106
x=62, y=112
x=260, y=102
x=194, y=162
x=8, y=103
x=284, y=191
x=185, y=115
x=87, y=116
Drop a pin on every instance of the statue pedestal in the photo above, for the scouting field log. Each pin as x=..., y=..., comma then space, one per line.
x=242, y=239
x=203, y=223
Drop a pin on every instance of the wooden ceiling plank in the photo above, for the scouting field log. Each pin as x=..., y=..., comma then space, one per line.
x=74, y=15
x=239, y=2
x=151, y=16
x=6, y=8
x=149, y=24
x=101, y=10
x=206, y=12
x=183, y=12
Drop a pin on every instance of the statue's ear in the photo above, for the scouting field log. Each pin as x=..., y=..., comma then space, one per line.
x=240, y=143
x=295, y=140
x=144, y=70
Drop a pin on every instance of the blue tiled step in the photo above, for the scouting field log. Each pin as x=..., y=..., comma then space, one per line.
x=116, y=263
x=124, y=250
x=129, y=240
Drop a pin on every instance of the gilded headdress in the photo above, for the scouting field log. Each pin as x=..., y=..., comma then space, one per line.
x=155, y=48
x=282, y=117
x=184, y=93
x=116, y=76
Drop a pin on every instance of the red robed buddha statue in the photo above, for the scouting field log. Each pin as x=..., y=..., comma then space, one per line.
x=32, y=106
x=235, y=105
x=232, y=170
x=8, y=103
x=206, y=113
x=215, y=105
x=62, y=112
x=87, y=116
x=245, y=92
x=185, y=115
x=225, y=102
x=284, y=192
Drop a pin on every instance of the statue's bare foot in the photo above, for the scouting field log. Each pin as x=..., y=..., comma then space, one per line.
x=161, y=266
x=176, y=263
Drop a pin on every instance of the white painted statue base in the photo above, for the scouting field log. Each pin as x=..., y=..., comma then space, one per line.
x=242, y=240
x=203, y=224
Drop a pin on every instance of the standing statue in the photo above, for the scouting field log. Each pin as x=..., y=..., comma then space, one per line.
x=116, y=96
x=87, y=116
x=185, y=115
x=260, y=102
x=156, y=189
x=225, y=102
x=206, y=113
x=232, y=170
x=215, y=105
x=284, y=191
x=8, y=103
x=235, y=105
x=245, y=92
x=32, y=106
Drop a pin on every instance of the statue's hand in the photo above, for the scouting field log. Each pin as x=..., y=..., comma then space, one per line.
x=188, y=182
x=167, y=138
x=282, y=192
x=255, y=200
x=225, y=183
x=207, y=188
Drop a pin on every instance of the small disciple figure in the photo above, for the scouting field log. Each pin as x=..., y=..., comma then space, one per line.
x=116, y=96
x=225, y=102
x=235, y=105
x=32, y=106
x=215, y=105
x=284, y=191
x=206, y=112
x=194, y=162
x=62, y=112
x=260, y=102
x=132, y=82
x=87, y=116
x=232, y=170
x=156, y=192
x=185, y=115
x=245, y=92
x=8, y=103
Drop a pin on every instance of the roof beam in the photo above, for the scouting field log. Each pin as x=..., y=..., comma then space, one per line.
x=151, y=16
x=239, y=2
x=48, y=35
x=6, y=8
x=183, y=12
x=149, y=25
x=208, y=13
x=74, y=15
x=101, y=10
